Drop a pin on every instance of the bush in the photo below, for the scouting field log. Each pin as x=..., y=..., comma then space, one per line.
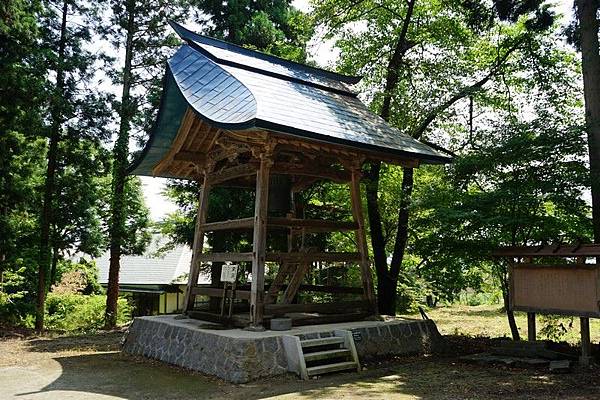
x=77, y=312
x=13, y=307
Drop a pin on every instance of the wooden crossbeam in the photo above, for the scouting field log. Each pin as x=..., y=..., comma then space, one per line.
x=243, y=223
x=285, y=270
x=224, y=257
x=295, y=257
x=218, y=292
x=309, y=225
x=294, y=283
x=335, y=307
x=313, y=225
x=312, y=257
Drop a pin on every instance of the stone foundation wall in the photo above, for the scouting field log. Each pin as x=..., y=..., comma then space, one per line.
x=397, y=338
x=235, y=360
x=239, y=356
x=391, y=338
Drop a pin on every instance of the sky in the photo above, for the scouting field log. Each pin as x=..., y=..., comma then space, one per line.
x=324, y=54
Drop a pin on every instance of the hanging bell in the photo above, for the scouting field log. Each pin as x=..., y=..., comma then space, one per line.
x=280, y=195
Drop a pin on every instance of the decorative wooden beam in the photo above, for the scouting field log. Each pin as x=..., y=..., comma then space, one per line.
x=191, y=156
x=228, y=174
x=184, y=130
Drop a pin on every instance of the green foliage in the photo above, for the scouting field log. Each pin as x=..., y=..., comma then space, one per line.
x=77, y=312
x=274, y=27
x=12, y=293
x=555, y=328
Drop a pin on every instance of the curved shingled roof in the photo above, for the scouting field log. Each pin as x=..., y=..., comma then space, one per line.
x=236, y=88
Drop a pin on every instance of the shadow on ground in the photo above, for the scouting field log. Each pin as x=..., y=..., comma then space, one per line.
x=104, y=341
x=126, y=377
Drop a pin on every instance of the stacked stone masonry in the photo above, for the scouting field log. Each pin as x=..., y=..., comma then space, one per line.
x=239, y=356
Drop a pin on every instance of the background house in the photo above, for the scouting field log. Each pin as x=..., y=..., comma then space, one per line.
x=155, y=281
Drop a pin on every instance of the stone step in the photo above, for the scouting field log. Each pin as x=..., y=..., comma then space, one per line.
x=324, y=369
x=327, y=354
x=321, y=342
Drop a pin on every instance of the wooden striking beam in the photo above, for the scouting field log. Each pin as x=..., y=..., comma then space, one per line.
x=197, y=245
x=361, y=240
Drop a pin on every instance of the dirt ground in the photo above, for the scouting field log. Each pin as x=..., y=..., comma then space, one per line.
x=91, y=367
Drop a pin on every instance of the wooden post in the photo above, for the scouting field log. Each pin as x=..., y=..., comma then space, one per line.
x=586, y=352
x=531, y=331
x=257, y=289
x=188, y=302
x=361, y=239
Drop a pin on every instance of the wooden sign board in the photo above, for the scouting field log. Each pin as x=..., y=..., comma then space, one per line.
x=556, y=289
x=229, y=273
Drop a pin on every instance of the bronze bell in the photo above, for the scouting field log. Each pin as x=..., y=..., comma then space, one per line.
x=280, y=195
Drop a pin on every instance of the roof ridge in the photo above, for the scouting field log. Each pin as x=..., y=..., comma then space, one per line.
x=184, y=33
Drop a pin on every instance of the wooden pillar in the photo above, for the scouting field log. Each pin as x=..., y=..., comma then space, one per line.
x=531, y=331
x=188, y=302
x=361, y=239
x=257, y=289
x=586, y=346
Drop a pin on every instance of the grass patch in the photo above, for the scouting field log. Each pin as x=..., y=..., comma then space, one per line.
x=490, y=321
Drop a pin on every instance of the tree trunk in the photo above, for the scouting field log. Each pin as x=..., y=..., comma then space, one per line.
x=119, y=176
x=386, y=281
x=590, y=61
x=49, y=189
x=514, y=330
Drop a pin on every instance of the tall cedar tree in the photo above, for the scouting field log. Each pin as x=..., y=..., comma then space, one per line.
x=72, y=109
x=587, y=15
x=407, y=29
x=22, y=100
x=139, y=28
